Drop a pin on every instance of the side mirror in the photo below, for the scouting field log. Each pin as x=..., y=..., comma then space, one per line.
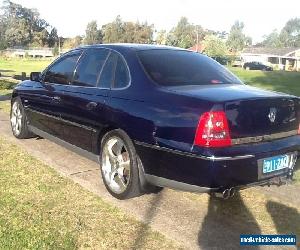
x=35, y=76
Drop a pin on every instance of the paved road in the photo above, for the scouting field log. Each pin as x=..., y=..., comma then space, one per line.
x=196, y=222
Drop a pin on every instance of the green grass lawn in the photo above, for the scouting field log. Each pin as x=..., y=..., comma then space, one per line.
x=10, y=66
x=282, y=81
x=6, y=86
x=40, y=209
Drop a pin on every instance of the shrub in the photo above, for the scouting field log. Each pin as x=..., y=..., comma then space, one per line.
x=7, y=83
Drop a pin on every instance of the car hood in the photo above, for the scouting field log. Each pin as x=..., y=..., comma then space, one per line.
x=224, y=92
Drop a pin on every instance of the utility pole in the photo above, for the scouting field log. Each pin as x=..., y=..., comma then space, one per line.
x=197, y=41
x=59, y=45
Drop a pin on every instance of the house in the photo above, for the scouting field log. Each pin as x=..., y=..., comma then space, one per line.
x=34, y=52
x=278, y=58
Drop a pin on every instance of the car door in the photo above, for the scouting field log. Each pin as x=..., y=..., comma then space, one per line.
x=45, y=105
x=84, y=100
x=256, y=66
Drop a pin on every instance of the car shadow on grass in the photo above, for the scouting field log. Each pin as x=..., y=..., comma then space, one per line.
x=225, y=221
x=150, y=214
x=285, y=218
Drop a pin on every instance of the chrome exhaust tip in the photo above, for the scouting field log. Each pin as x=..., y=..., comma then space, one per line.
x=226, y=194
x=231, y=192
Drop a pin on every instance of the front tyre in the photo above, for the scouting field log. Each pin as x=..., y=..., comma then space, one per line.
x=18, y=120
x=119, y=165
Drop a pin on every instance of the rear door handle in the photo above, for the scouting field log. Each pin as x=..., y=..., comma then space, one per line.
x=91, y=105
x=56, y=98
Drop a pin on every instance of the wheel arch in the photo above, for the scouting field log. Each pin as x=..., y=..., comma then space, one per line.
x=143, y=183
x=14, y=95
x=99, y=137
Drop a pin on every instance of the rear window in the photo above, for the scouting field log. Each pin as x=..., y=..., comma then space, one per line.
x=176, y=67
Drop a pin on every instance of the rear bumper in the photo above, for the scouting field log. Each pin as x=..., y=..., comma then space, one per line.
x=236, y=166
x=163, y=182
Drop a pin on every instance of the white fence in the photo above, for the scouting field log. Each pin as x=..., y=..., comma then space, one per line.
x=43, y=52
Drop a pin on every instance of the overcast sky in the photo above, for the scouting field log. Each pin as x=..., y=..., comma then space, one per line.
x=259, y=16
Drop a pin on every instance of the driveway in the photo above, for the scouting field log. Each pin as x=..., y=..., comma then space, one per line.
x=195, y=221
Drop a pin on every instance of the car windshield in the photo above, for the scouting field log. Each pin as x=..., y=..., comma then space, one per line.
x=180, y=67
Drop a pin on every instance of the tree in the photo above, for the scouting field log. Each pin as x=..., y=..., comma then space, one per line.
x=127, y=32
x=77, y=41
x=272, y=40
x=53, y=38
x=3, y=43
x=222, y=35
x=185, y=34
x=290, y=34
x=71, y=43
x=92, y=34
x=21, y=26
x=142, y=32
x=236, y=39
x=17, y=33
x=112, y=32
x=161, y=37
x=214, y=46
x=40, y=39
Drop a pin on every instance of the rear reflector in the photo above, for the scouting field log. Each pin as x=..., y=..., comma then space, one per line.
x=213, y=130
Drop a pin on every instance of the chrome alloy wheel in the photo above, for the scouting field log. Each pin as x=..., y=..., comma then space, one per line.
x=16, y=118
x=116, y=165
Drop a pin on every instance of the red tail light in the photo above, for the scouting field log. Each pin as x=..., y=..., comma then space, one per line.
x=213, y=130
x=299, y=129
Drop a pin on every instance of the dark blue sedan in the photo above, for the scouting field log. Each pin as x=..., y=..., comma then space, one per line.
x=156, y=116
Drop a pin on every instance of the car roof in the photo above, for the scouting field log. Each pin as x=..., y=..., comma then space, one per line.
x=133, y=46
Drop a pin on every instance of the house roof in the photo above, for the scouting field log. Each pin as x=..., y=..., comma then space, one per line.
x=270, y=51
x=200, y=48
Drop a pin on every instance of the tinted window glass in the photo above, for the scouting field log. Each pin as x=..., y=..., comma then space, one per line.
x=107, y=73
x=176, y=67
x=62, y=71
x=89, y=67
x=121, y=74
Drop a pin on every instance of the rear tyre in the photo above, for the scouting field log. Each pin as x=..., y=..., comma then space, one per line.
x=119, y=165
x=18, y=120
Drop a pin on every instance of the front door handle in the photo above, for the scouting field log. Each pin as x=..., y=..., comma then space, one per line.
x=91, y=105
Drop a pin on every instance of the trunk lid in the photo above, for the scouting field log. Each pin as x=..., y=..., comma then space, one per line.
x=253, y=114
x=277, y=116
x=223, y=92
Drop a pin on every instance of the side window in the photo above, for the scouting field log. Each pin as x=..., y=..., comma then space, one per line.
x=107, y=74
x=89, y=67
x=121, y=74
x=62, y=71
